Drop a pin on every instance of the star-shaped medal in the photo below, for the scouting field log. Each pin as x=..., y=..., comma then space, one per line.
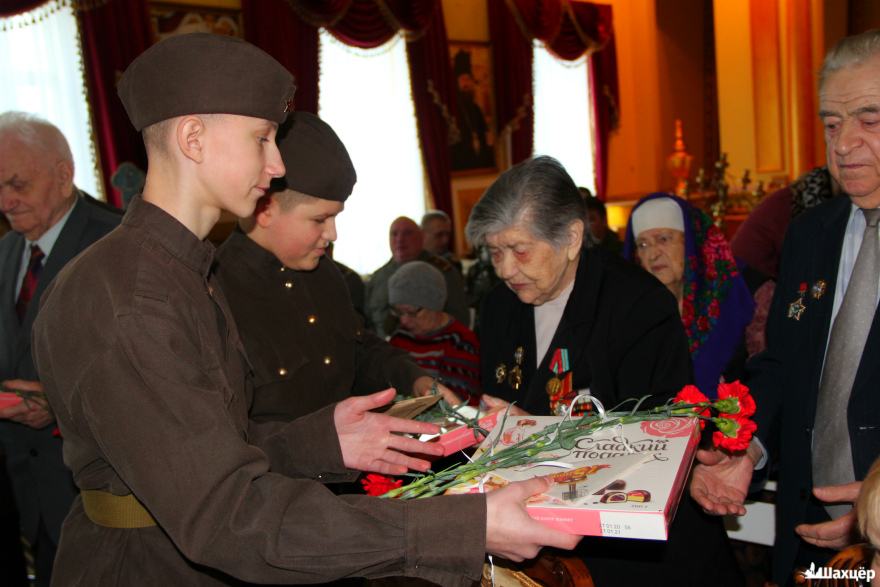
x=796, y=309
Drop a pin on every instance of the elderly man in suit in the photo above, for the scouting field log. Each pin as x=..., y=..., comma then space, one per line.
x=818, y=384
x=51, y=222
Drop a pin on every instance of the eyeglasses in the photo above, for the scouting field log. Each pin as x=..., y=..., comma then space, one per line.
x=399, y=313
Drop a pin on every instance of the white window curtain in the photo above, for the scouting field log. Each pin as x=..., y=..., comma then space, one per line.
x=365, y=96
x=41, y=72
x=562, y=114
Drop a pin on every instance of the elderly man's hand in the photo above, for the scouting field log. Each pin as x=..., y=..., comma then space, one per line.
x=34, y=409
x=375, y=442
x=837, y=533
x=720, y=481
x=510, y=532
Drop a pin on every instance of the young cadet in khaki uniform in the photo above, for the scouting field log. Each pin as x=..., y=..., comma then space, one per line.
x=307, y=346
x=144, y=369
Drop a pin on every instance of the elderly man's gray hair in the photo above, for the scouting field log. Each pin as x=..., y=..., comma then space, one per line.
x=35, y=132
x=538, y=193
x=850, y=51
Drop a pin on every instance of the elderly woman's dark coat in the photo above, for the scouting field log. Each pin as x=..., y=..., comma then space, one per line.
x=624, y=338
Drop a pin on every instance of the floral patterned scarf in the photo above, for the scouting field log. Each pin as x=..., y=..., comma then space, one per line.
x=716, y=305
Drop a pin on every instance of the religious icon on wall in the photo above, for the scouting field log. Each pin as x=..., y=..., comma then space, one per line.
x=178, y=18
x=472, y=71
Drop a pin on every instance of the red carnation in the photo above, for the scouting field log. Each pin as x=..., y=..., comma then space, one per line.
x=703, y=323
x=690, y=394
x=379, y=484
x=714, y=310
x=734, y=432
x=740, y=392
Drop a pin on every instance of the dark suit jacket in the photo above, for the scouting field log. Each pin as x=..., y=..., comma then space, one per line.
x=785, y=378
x=625, y=340
x=42, y=484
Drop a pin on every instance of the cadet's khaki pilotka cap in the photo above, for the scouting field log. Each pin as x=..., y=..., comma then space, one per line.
x=317, y=162
x=203, y=73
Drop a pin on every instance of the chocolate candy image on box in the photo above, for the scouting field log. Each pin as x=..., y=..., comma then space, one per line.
x=613, y=497
x=641, y=495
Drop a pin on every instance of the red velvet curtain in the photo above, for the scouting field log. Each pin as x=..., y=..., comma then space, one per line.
x=287, y=30
x=277, y=30
x=113, y=34
x=12, y=7
x=606, y=115
x=568, y=29
x=433, y=91
x=512, y=59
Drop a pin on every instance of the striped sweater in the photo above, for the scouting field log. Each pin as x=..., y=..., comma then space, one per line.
x=451, y=353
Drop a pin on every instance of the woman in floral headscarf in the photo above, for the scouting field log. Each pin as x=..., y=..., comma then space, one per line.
x=680, y=246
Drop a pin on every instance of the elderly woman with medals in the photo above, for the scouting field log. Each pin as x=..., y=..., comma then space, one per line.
x=569, y=319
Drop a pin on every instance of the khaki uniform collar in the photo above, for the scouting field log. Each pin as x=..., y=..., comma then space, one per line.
x=175, y=238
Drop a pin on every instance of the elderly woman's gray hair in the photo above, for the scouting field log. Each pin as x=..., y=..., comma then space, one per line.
x=850, y=51
x=538, y=193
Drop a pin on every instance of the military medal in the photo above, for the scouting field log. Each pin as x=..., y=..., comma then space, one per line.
x=560, y=386
x=514, y=375
x=553, y=385
x=559, y=404
x=500, y=373
x=515, y=378
x=559, y=365
x=797, y=307
x=818, y=289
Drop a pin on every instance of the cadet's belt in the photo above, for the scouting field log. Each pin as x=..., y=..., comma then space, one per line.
x=116, y=511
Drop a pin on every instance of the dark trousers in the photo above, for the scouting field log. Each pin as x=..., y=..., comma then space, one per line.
x=44, y=556
x=12, y=565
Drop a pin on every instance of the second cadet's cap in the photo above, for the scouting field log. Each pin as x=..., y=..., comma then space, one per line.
x=203, y=73
x=317, y=162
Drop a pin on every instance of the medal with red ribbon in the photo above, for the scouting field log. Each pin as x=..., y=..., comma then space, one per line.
x=560, y=387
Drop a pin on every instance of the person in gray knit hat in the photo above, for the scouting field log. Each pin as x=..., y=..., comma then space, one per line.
x=439, y=344
x=418, y=284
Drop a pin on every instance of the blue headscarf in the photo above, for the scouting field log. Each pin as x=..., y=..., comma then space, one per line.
x=716, y=304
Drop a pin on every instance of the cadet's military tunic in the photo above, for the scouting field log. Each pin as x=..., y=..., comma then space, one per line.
x=356, y=288
x=307, y=345
x=142, y=363
x=377, y=294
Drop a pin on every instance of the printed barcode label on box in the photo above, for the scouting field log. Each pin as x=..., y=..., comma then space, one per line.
x=626, y=524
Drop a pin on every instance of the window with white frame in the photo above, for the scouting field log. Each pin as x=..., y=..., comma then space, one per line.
x=41, y=72
x=365, y=96
x=562, y=113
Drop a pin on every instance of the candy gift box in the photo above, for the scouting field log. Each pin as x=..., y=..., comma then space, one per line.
x=624, y=481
